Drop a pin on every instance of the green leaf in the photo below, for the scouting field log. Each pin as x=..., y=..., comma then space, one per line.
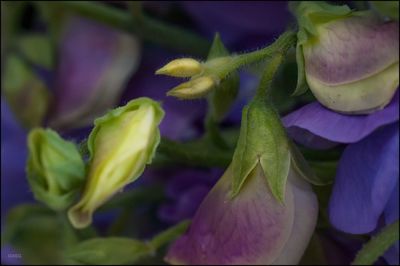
x=262, y=140
x=108, y=251
x=222, y=96
x=26, y=94
x=36, y=48
x=34, y=231
x=378, y=245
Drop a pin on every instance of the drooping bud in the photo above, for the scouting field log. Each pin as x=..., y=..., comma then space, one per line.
x=120, y=145
x=182, y=68
x=261, y=211
x=55, y=169
x=350, y=59
x=193, y=89
x=253, y=228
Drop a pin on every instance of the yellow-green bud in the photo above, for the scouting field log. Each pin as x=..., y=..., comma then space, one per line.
x=181, y=68
x=193, y=89
x=55, y=169
x=120, y=145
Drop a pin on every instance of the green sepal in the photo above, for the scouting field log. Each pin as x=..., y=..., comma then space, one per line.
x=55, y=169
x=108, y=251
x=386, y=8
x=26, y=94
x=262, y=140
x=308, y=170
x=309, y=15
x=222, y=96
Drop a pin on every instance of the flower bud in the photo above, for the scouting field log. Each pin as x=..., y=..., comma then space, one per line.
x=55, y=168
x=261, y=211
x=120, y=145
x=253, y=228
x=351, y=59
x=193, y=89
x=182, y=68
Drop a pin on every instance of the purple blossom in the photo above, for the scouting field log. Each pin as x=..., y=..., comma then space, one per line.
x=367, y=177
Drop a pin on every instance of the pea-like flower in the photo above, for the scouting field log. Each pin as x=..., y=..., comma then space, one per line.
x=120, y=145
x=55, y=168
x=261, y=211
x=350, y=59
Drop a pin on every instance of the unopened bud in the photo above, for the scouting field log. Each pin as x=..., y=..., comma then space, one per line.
x=181, y=68
x=55, y=169
x=193, y=89
x=120, y=145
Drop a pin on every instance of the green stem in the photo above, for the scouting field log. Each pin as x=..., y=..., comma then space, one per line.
x=213, y=132
x=377, y=246
x=120, y=223
x=284, y=43
x=264, y=88
x=149, y=29
x=281, y=45
x=169, y=235
x=195, y=153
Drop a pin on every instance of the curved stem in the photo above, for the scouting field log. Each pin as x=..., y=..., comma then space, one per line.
x=377, y=246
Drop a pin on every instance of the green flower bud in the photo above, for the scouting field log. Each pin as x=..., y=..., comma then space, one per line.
x=120, y=145
x=55, y=168
x=350, y=60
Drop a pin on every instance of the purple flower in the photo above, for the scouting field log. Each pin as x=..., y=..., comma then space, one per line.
x=366, y=185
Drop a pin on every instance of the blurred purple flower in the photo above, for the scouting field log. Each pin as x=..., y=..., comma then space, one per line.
x=95, y=63
x=14, y=186
x=366, y=185
x=185, y=191
x=241, y=24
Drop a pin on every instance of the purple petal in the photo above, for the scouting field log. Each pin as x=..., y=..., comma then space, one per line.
x=14, y=186
x=314, y=119
x=94, y=65
x=366, y=176
x=391, y=215
x=240, y=21
x=252, y=228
